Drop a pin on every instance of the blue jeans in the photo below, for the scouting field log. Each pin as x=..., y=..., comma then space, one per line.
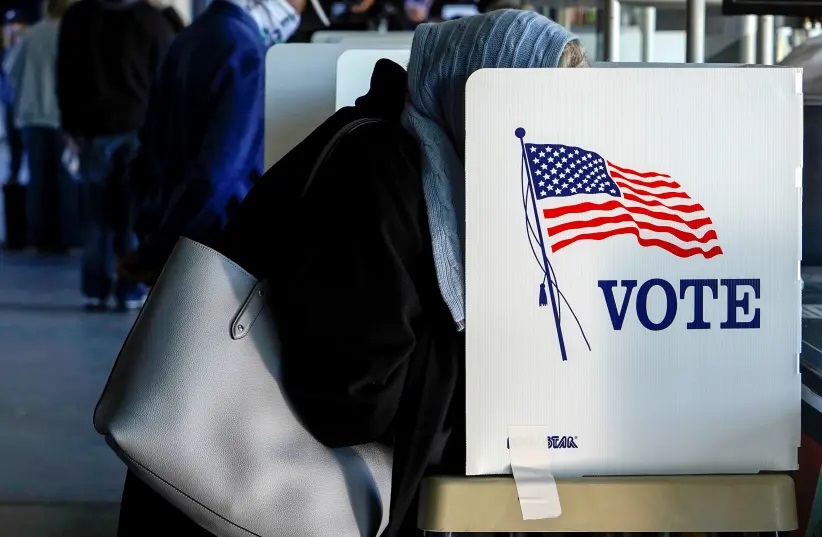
x=52, y=200
x=108, y=221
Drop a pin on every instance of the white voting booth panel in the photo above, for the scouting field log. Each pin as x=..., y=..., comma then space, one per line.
x=633, y=293
x=354, y=70
x=300, y=86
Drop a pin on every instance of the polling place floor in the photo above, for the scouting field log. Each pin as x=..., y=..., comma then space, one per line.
x=57, y=476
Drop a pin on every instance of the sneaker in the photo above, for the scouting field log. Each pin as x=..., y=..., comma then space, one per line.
x=95, y=304
x=131, y=305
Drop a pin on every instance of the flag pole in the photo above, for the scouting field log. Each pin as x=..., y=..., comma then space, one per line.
x=520, y=133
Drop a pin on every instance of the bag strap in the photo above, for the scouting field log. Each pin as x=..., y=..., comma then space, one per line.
x=253, y=305
x=329, y=147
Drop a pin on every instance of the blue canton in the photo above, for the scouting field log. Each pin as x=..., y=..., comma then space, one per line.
x=563, y=170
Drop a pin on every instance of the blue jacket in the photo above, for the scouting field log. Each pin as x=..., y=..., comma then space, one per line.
x=201, y=146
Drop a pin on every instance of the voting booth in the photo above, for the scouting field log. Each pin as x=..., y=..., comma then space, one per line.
x=628, y=337
x=301, y=87
x=633, y=270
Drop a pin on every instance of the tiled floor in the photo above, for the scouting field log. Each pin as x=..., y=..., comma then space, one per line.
x=57, y=476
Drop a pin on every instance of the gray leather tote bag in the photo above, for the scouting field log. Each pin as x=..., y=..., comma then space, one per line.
x=194, y=407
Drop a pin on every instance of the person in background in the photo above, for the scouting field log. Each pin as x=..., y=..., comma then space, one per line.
x=51, y=194
x=486, y=6
x=202, y=144
x=378, y=235
x=12, y=32
x=201, y=150
x=108, y=54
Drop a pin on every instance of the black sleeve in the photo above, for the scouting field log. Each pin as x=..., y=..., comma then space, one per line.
x=67, y=58
x=346, y=303
x=162, y=38
x=174, y=19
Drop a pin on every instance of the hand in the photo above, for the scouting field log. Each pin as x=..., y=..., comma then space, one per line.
x=416, y=13
x=74, y=143
x=362, y=7
x=298, y=5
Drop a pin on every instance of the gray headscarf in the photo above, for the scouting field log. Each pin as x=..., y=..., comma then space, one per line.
x=443, y=56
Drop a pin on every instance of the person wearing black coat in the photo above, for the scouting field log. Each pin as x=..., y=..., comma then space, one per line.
x=371, y=326
x=370, y=323
x=389, y=362
x=371, y=351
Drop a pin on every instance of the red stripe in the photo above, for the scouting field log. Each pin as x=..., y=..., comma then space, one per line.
x=610, y=205
x=667, y=246
x=648, y=184
x=680, y=208
x=662, y=196
x=684, y=236
x=638, y=174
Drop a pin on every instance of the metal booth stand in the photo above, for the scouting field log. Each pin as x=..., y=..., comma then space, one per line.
x=680, y=504
x=758, y=34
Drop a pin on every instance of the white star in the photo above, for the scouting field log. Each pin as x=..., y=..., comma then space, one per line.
x=554, y=171
x=533, y=149
x=587, y=189
x=613, y=191
x=574, y=190
x=544, y=166
x=601, y=188
x=572, y=165
x=542, y=153
x=538, y=172
x=556, y=154
x=584, y=158
x=550, y=159
x=564, y=159
x=542, y=183
x=564, y=185
x=562, y=150
x=536, y=161
x=584, y=181
x=562, y=176
x=589, y=155
x=576, y=151
x=555, y=181
x=542, y=193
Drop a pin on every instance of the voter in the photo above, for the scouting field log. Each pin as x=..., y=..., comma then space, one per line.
x=366, y=263
x=201, y=146
x=201, y=150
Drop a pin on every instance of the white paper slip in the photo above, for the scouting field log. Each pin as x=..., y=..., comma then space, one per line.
x=531, y=466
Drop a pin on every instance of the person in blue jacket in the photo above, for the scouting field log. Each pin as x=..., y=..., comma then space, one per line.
x=201, y=147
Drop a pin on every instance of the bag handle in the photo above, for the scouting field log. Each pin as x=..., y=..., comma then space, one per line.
x=329, y=147
x=253, y=305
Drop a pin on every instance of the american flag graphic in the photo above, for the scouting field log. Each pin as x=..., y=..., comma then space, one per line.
x=583, y=196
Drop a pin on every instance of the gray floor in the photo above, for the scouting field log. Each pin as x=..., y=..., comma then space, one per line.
x=57, y=476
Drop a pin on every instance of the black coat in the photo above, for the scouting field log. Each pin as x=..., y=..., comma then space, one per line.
x=370, y=350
